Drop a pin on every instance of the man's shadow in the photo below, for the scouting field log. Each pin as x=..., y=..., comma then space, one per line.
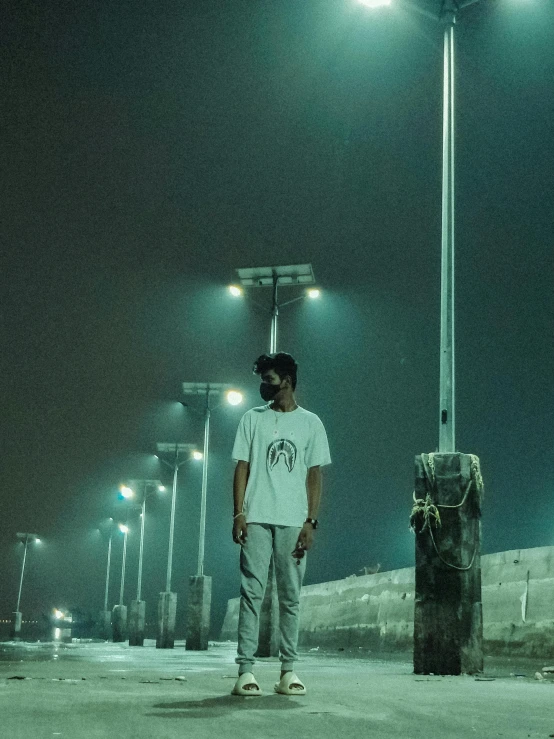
x=220, y=706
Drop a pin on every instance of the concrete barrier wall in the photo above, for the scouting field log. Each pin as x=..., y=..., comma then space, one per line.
x=377, y=611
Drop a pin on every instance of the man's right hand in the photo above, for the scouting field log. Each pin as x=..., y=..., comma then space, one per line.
x=240, y=529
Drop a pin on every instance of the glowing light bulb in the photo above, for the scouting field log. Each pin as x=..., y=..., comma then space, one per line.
x=234, y=397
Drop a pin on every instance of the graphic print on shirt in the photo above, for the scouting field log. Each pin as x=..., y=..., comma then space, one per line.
x=281, y=449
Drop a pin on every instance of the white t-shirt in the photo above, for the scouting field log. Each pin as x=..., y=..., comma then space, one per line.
x=280, y=448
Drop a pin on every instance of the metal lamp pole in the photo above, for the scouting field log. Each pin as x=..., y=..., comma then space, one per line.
x=172, y=524
x=203, y=500
x=119, y=613
x=125, y=531
x=274, y=317
x=447, y=428
x=167, y=603
x=108, y=572
x=137, y=615
x=144, y=486
x=25, y=538
x=175, y=466
x=200, y=586
x=26, y=542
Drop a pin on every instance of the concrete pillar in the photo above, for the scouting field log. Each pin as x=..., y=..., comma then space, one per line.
x=105, y=624
x=15, y=633
x=167, y=612
x=198, y=612
x=268, y=639
x=448, y=623
x=137, y=617
x=119, y=623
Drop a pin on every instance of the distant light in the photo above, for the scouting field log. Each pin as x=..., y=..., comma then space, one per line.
x=161, y=488
x=126, y=492
x=234, y=397
x=197, y=455
x=37, y=541
x=57, y=633
x=375, y=3
x=58, y=614
x=111, y=519
x=314, y=293
x=123, y=529
x=235, y=291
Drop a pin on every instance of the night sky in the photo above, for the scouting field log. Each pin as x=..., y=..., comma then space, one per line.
x=149, y=149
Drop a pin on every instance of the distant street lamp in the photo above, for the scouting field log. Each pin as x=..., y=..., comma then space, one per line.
x=167, y=603
x=198, y=620
x=106, y=615
x=125, y=531
x=119, y=613
x=275, y=277
x=138, y=490
x=25, y=539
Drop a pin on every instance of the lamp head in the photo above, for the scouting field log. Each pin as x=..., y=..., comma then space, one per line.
x=234, y=397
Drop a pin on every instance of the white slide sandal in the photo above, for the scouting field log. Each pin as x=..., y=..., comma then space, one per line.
x=284, y=686
x=247, y=678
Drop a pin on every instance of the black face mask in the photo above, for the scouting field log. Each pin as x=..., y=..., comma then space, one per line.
x=268, y=391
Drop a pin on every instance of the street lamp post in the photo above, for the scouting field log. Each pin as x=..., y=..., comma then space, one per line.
x=447, y=436
x=137, y=609
x=167, y=602
x=106, y=614
x=26, y=539
x=448, y=630
x=119, y=613
x=293, y=275
x=200, y=585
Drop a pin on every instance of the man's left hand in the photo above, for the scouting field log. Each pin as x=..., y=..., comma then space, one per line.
x=305, y=540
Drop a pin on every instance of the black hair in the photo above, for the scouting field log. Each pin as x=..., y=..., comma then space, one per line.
x=284, y=364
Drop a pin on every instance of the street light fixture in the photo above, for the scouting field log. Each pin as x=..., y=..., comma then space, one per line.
x=167, y=603
x=275, y=277
x=26, y=539
x=200, y=585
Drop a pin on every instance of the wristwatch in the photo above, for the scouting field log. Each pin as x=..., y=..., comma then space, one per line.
x=313, y=521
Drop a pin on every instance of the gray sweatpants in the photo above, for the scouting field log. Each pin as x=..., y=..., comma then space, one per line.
x=255, y=556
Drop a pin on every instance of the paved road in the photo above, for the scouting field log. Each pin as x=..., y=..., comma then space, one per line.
x=133, y=693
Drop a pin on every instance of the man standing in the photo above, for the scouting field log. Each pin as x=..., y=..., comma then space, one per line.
x=279, y=449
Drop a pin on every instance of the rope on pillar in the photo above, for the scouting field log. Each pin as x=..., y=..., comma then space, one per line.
x=425, y=513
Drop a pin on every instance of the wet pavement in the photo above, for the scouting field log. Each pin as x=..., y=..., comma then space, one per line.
x=97, y=690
